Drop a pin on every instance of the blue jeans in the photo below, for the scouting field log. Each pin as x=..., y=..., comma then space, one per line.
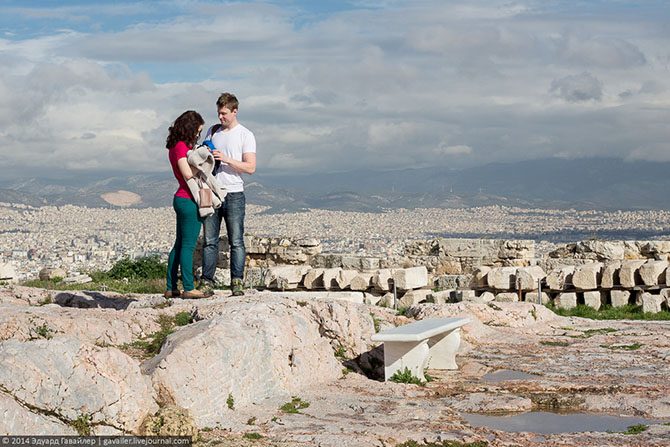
x=189, y=223
x=232, y=212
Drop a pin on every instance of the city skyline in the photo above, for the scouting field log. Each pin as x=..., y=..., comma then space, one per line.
x=330, y=86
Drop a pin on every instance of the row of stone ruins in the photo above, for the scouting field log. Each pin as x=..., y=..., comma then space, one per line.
x=445, y=270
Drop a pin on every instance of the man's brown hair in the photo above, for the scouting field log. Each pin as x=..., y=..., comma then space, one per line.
x=227, y=100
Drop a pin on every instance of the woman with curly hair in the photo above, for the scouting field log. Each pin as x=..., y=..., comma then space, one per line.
x=182, y=136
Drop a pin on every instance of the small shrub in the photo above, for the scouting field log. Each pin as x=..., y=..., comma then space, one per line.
x=635, y=429
x=341, y=352
x=230, y=401
x=149, y=267
x=301, y=303
x=183, y=318
x=47, y=300
x=294, y=406
x=42, y=331
x=376, y=323
x=592, y=332
x=152, y=344
x=253, y=435
x=406, y=376
x=251, y=420
x=82, y=424
x=631, y=347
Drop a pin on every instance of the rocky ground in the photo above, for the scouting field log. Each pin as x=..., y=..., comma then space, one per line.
x=267, y=369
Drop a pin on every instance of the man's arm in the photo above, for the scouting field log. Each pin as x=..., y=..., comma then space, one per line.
x=246, y=166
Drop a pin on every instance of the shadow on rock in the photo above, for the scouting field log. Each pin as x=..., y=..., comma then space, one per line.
x=89, y=300
x=370, y=364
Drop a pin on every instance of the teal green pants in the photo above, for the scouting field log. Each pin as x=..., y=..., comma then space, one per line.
x=189, y=224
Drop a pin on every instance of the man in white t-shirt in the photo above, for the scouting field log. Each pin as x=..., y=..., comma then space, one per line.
x=236, y=151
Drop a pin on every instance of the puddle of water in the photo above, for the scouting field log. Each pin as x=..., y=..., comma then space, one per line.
x=502, y=375
x=546, y=423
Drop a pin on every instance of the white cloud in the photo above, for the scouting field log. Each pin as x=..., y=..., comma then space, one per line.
x=459, y=149
x=391, y=86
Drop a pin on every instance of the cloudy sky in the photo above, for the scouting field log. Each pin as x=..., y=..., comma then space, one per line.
x=335, y=85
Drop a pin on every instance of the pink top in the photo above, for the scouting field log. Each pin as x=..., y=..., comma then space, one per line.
x=176, y=153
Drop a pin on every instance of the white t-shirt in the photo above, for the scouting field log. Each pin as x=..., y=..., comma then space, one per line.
x=233, y=143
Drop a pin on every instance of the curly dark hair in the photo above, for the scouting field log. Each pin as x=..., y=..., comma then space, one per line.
x=184, y=128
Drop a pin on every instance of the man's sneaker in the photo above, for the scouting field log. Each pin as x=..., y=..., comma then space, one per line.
x=172, y=294
x=237, y=286
x=206, y=287
x=195, y=294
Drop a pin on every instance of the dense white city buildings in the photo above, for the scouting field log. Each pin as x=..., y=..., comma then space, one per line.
x=81, y=239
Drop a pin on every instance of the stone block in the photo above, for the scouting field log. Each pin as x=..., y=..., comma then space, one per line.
x=528, y=277
x=330, y=278
x=665, y=293
x=593, y=298
x=313, y=279
x=382, y=280
x=369, y=264
x=485, y=297
x=558, y=278
x=651, y=303
x=507, y=297
x=566, y=300
x=361, y=281
x=610, y=275
x=464, y=295
x=532, y=297
x=440, y=297
x=628, y=273
x=410, y=278
x=653, y=273
x=479, y=278
x=587, y=276
x=501, y=278
x=370, y=299
x=632, y=250
x=344, y=278
x=600, y=250
x=386, y=300
x=285, y=277
x=414, y=296
x=619, y=298
x=46, y=274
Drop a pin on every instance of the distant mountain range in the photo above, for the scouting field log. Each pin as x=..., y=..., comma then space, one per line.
x=589, y=183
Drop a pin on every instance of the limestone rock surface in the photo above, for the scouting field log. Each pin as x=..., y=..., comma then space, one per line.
x=203, y=364
x=68, y=378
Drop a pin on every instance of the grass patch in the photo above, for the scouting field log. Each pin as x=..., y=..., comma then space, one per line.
x=42, y=331
x=636, y=429
x=555, y=343
x=341, y=352
x=151, y=345
x=183, y=318
x=253, y=436
x=142, y=275
x=607, y=312
x=376, y=323
x=406, y=376
x=82, y=424
x=592, y=332
x=631, y=347
x=294, y=406
x=404, y=311
x=230, y=401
